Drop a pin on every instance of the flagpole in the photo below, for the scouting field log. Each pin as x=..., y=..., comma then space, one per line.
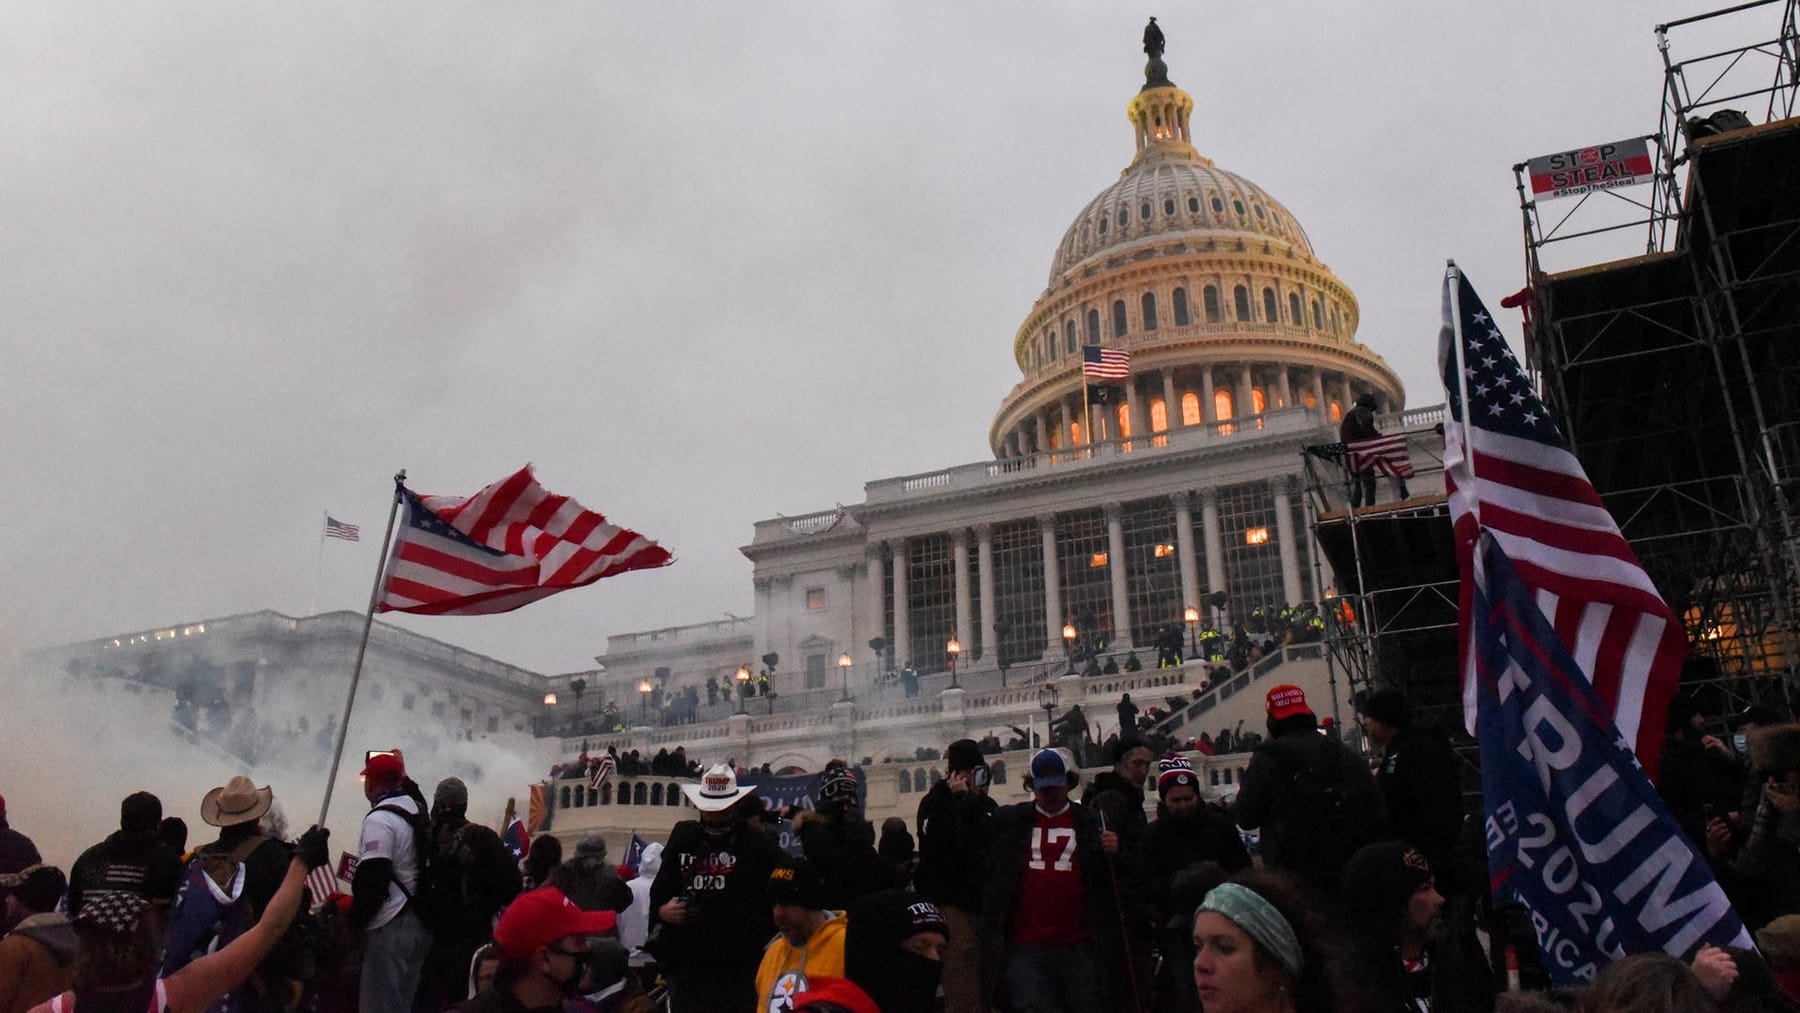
x=1453, y=279
x=1087, y=413
x=362, y=647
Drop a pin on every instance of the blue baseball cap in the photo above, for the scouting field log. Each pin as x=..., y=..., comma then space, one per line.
x=1049, y=770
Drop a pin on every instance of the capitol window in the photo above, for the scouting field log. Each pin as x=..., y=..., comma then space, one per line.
x=1159, y=415
x=1193, y=205
x=1218, y=205
x=1222, y=404
x=815, y=599
x=1210, y=296
x=1103, y=226
x=1093, y=327
x=1240, y=299
x=1181, y=308
x=1318, y=317
x=1144, y=211
x=1238, y=206
x=1295, y=317
x=1124, y=218
x=1169, y=206
x=1124, y=420
x=1068, y=337
x=1118, y=315
x=1337, y=411
x=1270, y=307
x=1190, y=409
x=1149, y=311
x=1259, y=402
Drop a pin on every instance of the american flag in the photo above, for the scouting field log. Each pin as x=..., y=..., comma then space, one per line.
x=1531, y=493
x=602, y=771
x=502, y=548
x=1383, y=454
x=335, y=528
x=321, y=883
x=1105, y=363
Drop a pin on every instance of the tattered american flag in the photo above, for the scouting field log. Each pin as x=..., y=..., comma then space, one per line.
x=504, y=547
x=1105, y=363
x=1531, y=493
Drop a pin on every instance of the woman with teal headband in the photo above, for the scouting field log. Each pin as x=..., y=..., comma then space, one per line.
x=1261, y=947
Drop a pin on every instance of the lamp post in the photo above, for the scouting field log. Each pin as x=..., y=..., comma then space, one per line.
x=844, y=663
x=1191, y=616
x=550, y=712
x=644, y=689
x=742, y=675
x=955, y=649
x=1069, y=634
x=578, y=686
x=1047, y=700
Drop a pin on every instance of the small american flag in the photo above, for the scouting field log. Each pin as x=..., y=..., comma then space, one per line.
x=335, y=528
x=1384, y=454
x=503, y=548
x=1105, y=363
x=602, y=771
x=321, y=883
x=1509, y=471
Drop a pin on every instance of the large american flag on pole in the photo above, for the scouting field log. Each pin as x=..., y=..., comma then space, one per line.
x=1385, y=455
x=504, y=547
x=1105, y=363
x=1508, y=470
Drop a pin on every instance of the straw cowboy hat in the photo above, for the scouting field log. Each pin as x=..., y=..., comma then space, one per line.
x=238, y=801
x=718, y=789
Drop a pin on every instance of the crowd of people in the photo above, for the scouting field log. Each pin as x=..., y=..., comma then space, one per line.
x=1363, y=889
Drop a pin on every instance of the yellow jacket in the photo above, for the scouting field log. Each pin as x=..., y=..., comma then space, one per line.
x=786, y=968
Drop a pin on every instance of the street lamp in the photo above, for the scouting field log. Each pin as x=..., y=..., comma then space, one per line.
x=579, y=686
x=844, y=663
x=549, y=699
x=644, y=689
x=550, y=713
x=955, y=648
x=1191, y=616
x=1069, y=635
x=742, y=675
x=1047, y=700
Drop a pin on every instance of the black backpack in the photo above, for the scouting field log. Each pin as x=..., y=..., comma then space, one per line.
x=422, y=898
x=1324, y=827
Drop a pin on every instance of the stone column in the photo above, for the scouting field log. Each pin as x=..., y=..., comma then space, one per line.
x=1349, y=395
x=902, y=625
x=1215, y=546
x=1286, y=388
x=1115, y=567
x=1246, y=403
x=1184, y=549
x=1140, y=415
x=1010, y=446
x=759, y=641
x=1044, y=428
x=984, y=559
x=1053, y=621
x=1171, y=400
x=1284, y=535
x=1071, y=415
x=875, y=588
x=1318, y=386
x=959, y=554
x=1208, y=412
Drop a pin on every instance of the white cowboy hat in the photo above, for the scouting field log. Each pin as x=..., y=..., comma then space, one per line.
x=718, y=789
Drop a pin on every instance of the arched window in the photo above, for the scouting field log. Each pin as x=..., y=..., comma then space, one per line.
x=1271, y=311
x=1169, y=206
x=1118, y=318
x=1075, y=434
x=1337, y=411
x=1238, y=206
x=1103, y=226
x=1068, y=337
x=919, y=781
x=1190, y=409
x=1218, y=205
x=580, y=797
x=639, y=794
x=1259, y=402
x=673, y=795
x=1240, y=299
x=1149, y=311
x=1193, y=205
x=1093, y=327
x=624, y=794
x=1210, y=296
x=1181, y=308
x=1144, y=211
x=1318, y=317
x=563, y=800
x=1124, y=218
x=1159, y=415
x=593, y=796
x=1222, y=404
x=1124, y=421
x=1309, y=399
x=606, y=793
x=656, y=793
x=905, y=781
x=1294, y=315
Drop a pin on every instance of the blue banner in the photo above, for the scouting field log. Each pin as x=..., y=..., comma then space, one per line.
x=1575, y=831
x=801, y=791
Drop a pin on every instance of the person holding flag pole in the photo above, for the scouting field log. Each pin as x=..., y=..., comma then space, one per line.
x=1568, y=660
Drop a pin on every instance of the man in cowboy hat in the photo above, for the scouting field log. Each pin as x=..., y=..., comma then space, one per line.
x=709, y=905
x=237, y=808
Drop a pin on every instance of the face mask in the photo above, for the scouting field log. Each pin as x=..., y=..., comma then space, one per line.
x=571, y=986
x=1741, y=742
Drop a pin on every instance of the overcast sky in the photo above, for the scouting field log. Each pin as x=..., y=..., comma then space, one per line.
x=698, y=267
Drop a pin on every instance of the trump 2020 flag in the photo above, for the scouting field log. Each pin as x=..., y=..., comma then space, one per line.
x=504, y=547
x=1575, y=830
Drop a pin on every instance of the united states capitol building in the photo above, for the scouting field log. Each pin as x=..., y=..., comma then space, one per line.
x=964, y=601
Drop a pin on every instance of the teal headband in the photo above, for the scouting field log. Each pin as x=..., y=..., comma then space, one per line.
x=1248, y=910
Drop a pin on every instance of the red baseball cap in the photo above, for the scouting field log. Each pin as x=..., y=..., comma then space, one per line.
x=384, y=765
x=1287, y=700
x=837, y=992
x=543, y=916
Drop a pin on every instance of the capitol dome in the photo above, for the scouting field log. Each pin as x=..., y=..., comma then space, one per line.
x=1209, y=285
